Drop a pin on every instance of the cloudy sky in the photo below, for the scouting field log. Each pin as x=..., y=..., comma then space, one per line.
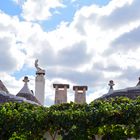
x=77, y=42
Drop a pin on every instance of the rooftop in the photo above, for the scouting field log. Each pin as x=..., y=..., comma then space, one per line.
x=60, y=85
x=3, y=88
x=26, y=92
x=130, y=92
x=12, y=98
x=80, y=87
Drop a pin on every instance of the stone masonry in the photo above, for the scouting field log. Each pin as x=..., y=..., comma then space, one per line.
x=80, y=94
x=60, y=93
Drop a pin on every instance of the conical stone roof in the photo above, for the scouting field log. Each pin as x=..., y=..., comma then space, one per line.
x=26, y=92
x=3, y=88
x=138, y=84
x=130, y=92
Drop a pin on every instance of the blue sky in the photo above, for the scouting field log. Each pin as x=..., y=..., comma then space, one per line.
x=9, y=7
x=65, y=14
x=81, y=42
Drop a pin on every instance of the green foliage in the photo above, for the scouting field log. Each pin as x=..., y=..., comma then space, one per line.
x=116, y=119
x=16, y=136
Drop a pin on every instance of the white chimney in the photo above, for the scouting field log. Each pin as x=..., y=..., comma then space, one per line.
x=40, y=83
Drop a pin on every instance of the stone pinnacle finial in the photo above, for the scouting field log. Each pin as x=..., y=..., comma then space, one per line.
x=111, y=84
x=26, y=80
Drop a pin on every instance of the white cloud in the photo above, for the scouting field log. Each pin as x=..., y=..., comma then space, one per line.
x=11, y=83
x=9, y=48
x=33, y=10
x=73, y=1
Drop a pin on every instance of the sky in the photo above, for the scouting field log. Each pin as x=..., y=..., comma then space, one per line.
x=77, y=42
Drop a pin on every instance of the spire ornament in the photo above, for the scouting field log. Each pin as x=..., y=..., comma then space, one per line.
x=39, y=70
x=111, y=84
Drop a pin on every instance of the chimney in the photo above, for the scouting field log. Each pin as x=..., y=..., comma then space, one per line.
x=60, y=93
x=80, y=94
x=40, y=83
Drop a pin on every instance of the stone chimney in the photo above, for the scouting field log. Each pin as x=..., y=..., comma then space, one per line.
x=60, y=93
x=80, y=94
x=40, y=83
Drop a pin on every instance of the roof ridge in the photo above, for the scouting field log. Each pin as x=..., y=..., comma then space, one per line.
x=3, y=87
